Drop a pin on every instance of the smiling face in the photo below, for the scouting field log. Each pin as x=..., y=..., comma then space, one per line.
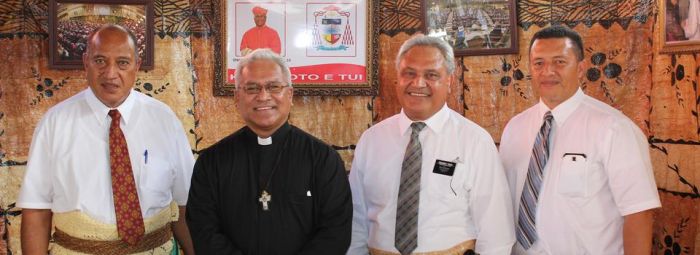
x=423, y=82
x=260, y=19
x=111, y=65
x=555, y=70
x=264, y=112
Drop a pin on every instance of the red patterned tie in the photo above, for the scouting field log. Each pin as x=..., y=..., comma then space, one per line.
x=126, y=200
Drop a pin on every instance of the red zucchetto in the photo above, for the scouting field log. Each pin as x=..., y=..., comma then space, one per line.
x=257, y=10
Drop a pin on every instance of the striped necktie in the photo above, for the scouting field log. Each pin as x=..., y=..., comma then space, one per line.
x=127, y=209
x=406, y=231
x=527, y=232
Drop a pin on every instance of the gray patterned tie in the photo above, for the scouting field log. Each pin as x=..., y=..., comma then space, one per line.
x=406, y=231
x=527, y=232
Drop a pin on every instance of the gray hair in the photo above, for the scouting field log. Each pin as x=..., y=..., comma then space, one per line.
x=424, y=40
x=263, y=54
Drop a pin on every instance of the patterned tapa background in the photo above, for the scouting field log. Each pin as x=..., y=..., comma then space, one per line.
x=659, y=92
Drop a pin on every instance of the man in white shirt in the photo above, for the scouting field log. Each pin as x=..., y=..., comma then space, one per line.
x=79, y=146
x=428, y=180
x=586, y=164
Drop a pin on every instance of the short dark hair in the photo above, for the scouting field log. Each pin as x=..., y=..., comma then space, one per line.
x=114, y=27
x=558, y=31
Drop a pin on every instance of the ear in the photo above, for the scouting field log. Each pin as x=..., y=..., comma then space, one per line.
x=85, y=60
x=455, y=73
x=450, y=83
x=138, y=64
x=291, y=95
x=236, y=97
x=581, y=69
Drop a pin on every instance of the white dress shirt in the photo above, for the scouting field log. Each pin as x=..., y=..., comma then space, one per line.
x=69, y=169
x=598, y=171
x=474, y=203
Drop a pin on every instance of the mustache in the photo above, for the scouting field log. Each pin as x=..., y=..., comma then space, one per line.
x=109, y=83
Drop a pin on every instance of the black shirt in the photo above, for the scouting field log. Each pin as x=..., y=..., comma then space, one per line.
x=310, y=211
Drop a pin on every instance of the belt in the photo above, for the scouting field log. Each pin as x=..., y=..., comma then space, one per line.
x=149, y=241
x=461, y=248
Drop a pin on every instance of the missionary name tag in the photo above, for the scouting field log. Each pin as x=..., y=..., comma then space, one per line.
x=444, y=167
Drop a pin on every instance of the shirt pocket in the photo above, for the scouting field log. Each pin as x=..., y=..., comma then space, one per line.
x=573, y=177
x=581, y=178
x=449, y=190
x=300, y=198
x=300, y=209
x=157, y=176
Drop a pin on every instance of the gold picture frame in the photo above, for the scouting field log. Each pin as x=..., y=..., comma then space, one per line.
x=674, y=23
x=70, y=21
x=320, y=66
x=472, y=27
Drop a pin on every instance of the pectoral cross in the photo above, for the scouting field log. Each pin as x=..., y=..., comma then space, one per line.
x=264, y=199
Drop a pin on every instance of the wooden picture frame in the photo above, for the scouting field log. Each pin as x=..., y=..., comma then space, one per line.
x=70, y=22
x=329, y=45
x=473, y=27
x=677, y=34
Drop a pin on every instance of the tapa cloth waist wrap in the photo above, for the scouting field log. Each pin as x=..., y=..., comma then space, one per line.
x=77, y=233
x=460, y=249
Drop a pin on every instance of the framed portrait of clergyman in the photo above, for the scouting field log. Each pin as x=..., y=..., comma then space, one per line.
x=473, y=27
x=330, y=45
x=70, y=22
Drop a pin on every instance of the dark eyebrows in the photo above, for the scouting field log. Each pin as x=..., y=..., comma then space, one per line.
x=410, y=69
x=262, y=83
x=120, y=58
x=554, y=57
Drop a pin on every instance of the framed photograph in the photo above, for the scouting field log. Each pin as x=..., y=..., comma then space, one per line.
x=70, y=22
x=680, y=26
x=473, y=27
x=330, y=45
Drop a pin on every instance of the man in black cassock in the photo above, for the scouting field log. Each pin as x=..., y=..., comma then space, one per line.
x=269, y=188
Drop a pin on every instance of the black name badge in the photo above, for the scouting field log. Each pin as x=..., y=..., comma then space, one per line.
x=444, y=167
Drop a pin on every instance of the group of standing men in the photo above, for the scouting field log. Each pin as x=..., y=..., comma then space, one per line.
x=110, y=169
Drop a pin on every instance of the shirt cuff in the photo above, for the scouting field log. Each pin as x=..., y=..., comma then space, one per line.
x=26, y=205
x=180, y=202
x=638, y=207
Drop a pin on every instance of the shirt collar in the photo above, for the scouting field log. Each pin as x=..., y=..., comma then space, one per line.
x=434, y=123
x=265, y=141
x=278, y=135
x=101, y=111
x=562, y=111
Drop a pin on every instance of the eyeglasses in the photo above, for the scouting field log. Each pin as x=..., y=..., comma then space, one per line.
x=271, y=87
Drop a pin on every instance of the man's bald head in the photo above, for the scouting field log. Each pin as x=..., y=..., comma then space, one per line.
x=113, y=30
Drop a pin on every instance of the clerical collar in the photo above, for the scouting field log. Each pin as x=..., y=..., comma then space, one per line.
x=265, y=141
x=278, y=135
